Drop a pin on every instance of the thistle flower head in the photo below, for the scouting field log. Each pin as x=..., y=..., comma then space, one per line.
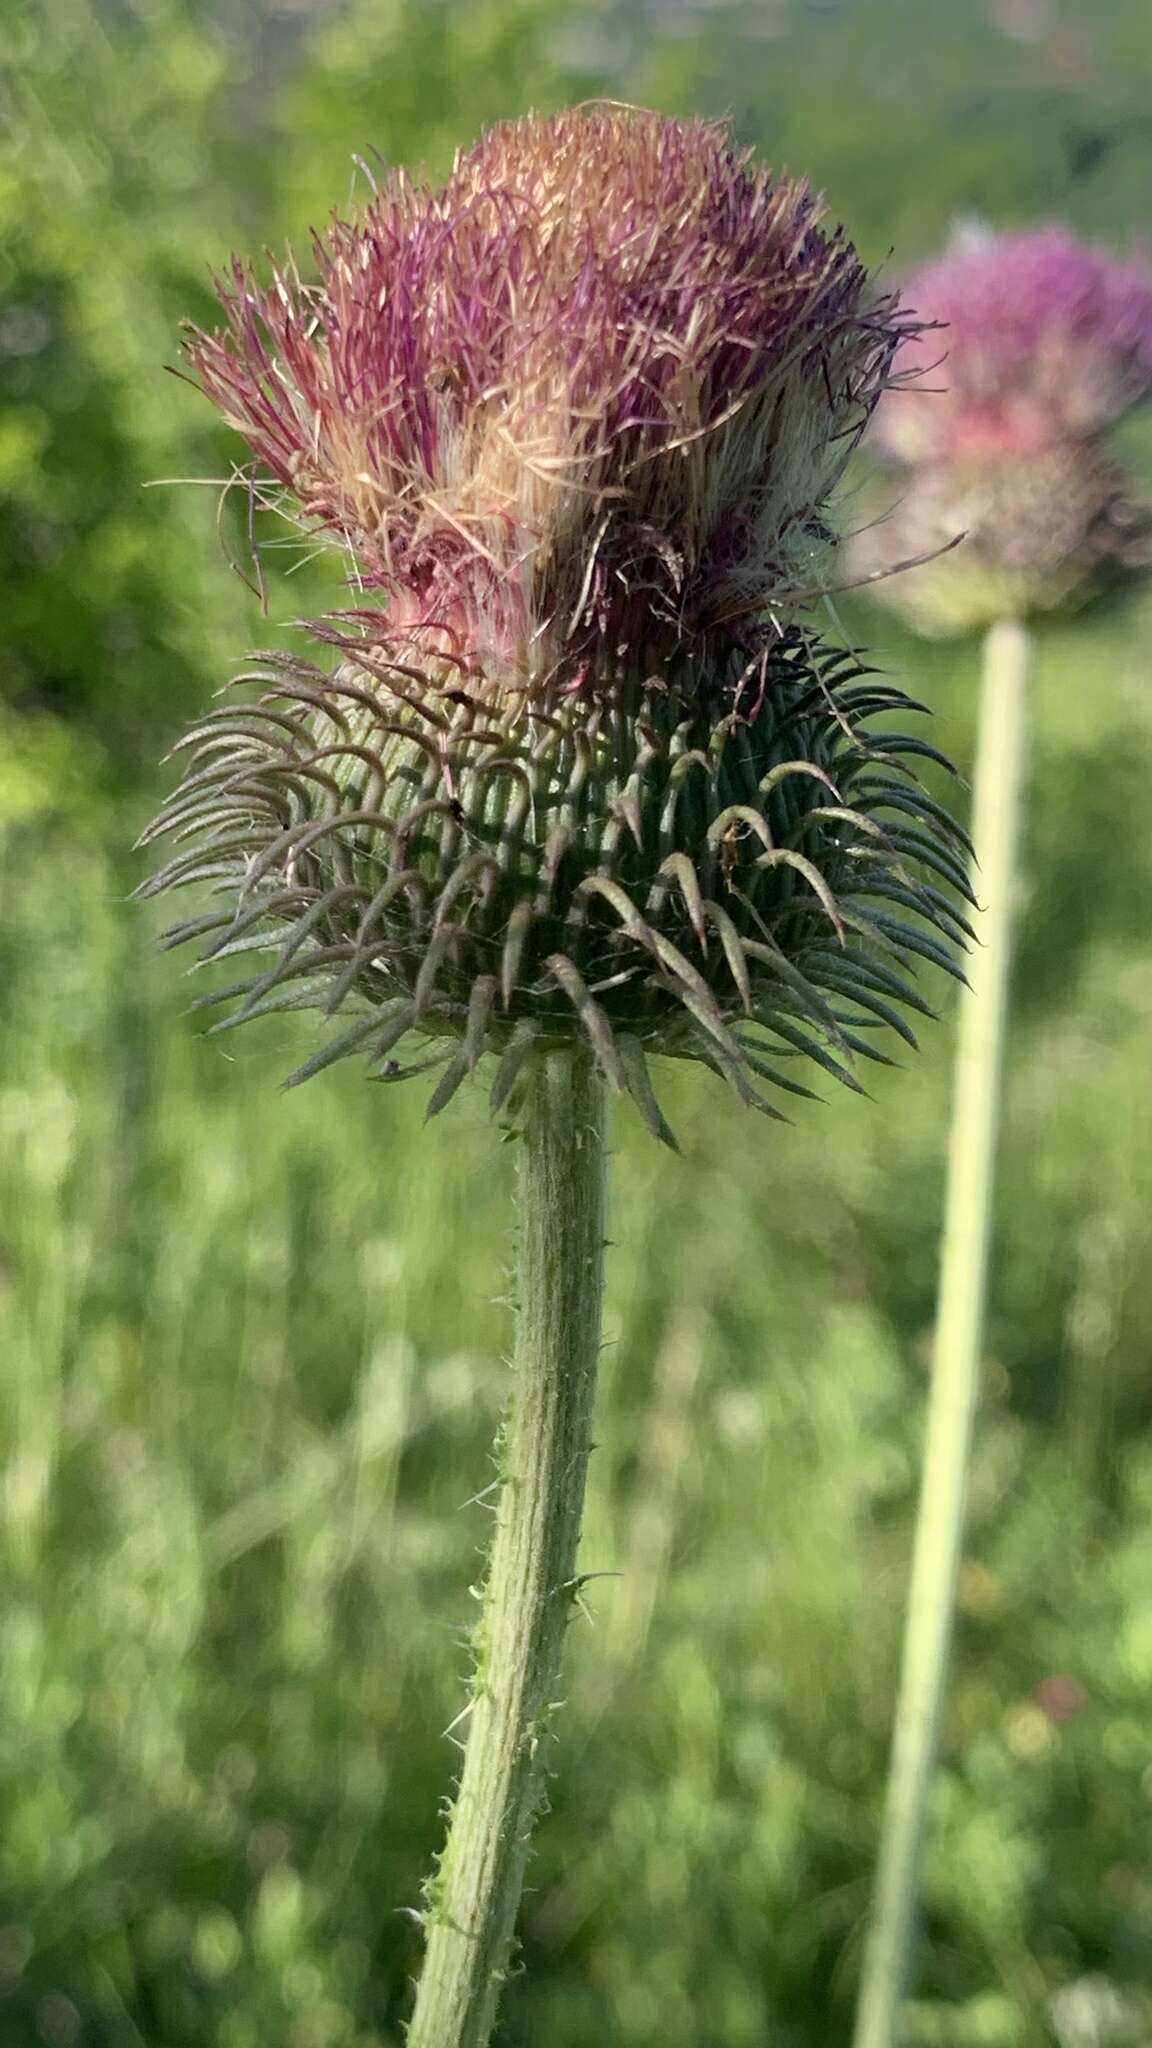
x=593, y=390
x=1029, y=340
x=996, y=415
x=581, y=766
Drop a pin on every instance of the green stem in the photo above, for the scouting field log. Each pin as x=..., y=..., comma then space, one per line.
x=959, y=1338
x=531, y=1583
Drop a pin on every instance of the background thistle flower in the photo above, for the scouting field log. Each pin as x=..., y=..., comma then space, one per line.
x=1034, y=347
x=583, y=771
x=1044, y=345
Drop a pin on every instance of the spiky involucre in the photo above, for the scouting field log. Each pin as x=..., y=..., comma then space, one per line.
x=580, y=768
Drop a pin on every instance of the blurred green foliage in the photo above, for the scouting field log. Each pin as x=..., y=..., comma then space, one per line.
x=251, y=1350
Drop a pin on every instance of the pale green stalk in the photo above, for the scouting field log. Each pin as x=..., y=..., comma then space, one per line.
x=531, y=1586
x=959, y=1337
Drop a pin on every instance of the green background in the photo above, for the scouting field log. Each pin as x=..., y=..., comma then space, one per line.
x=252, y=1348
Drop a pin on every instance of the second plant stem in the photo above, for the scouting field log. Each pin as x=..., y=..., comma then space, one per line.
x=959, y=1337
x=531, y=1584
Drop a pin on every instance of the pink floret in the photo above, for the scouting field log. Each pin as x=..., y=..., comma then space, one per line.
x=606, y=374
x=1035, y=337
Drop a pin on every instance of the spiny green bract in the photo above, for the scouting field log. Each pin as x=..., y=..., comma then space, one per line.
x=462, y=876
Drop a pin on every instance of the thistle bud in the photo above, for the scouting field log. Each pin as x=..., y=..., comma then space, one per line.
x=1033, y=347
x=580, y=766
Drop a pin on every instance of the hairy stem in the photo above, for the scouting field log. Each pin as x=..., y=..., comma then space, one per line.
x=959, y=1338
x=531, y=1583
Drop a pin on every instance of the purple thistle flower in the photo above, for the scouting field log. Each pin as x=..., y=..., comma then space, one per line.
x=598, y=384
x=583, y=769
x=996, y=415
x=1030, y=339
